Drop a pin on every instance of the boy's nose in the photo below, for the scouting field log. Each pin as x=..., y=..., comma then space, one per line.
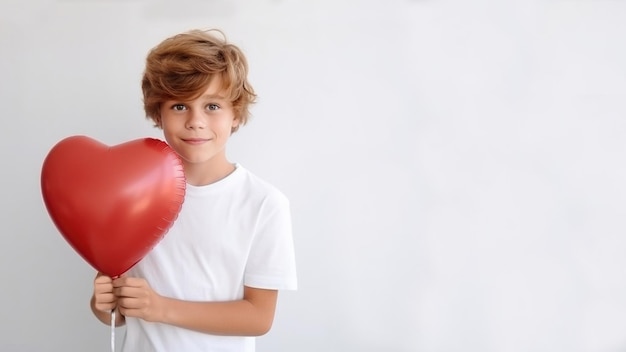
x=195, y=120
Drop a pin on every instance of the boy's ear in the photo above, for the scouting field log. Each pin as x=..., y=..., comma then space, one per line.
x=236, y=123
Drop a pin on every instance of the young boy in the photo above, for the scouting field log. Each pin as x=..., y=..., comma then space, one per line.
x=211, y=284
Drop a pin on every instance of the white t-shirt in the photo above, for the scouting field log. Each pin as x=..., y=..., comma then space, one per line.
x=228, y=234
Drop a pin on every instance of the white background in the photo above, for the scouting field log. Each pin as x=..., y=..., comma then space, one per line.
x=456, y=168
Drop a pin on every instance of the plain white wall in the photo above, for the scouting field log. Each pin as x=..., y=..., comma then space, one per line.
x=456, y=168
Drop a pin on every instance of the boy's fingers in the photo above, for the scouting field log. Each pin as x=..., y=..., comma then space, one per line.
x=128, y=281
x=102, y=279
x=105, y=307
x=106, y=298
x=127, y=291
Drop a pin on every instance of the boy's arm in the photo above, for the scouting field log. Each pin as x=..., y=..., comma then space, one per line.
x=251, y=316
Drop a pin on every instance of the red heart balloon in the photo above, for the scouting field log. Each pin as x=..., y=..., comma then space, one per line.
x=112, y=204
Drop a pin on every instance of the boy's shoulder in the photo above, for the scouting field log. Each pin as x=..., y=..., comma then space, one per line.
x=260, y=187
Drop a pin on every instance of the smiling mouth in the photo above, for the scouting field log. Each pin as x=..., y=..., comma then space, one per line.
x=195, y=140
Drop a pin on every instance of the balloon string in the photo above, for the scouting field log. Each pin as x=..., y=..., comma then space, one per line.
x=113, y=330
x=113, y=322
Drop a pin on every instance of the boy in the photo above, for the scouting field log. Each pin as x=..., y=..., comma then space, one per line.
x=211, y=283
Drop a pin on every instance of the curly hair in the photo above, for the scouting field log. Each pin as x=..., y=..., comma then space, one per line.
x=182, y=66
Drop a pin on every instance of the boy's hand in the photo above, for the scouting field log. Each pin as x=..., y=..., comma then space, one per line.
x=104, y=299
x=135, y=298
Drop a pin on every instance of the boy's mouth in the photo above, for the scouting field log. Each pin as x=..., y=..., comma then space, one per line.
x=195, y=140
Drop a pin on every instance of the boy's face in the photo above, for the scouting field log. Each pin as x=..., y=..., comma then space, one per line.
x=199, y=129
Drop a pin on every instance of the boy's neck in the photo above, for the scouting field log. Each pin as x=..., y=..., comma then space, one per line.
x=207, y=173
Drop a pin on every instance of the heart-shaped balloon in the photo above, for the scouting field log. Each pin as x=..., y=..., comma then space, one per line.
x=113, y=204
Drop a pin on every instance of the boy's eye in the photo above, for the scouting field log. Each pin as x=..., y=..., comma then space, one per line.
x=178, y=107
x=213, y=107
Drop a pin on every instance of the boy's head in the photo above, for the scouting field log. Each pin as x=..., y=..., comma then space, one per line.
x=182, y=66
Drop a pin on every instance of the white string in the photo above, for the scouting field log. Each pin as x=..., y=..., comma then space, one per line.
x=113, y=330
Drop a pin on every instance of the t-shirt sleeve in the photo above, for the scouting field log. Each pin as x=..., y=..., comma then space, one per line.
x=271, y=262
